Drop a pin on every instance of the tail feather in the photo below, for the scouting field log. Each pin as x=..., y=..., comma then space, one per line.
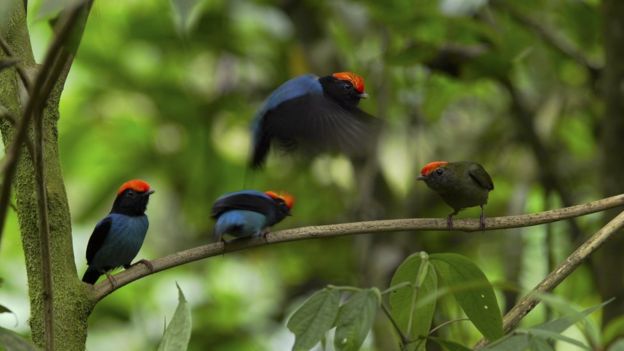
x=91, y=276
x=261, y=146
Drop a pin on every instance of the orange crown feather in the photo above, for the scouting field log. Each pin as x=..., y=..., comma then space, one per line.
x=357, y=81
x=288, y=199
x=432, y=166
x=137, y=185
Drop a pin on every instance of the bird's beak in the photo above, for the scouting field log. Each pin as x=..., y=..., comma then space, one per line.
x=149, y=192
x=363, y=96
x=421, y=178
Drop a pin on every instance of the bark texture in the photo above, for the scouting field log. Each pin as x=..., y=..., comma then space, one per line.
x=71, y=302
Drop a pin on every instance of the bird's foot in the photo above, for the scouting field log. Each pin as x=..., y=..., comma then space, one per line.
x=264, y=234
x=144, y=262
x=111, y=280
x=449, y=222
x=482, y=220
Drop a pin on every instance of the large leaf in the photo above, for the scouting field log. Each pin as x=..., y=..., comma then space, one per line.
x=178, y=332
x=4, y=309
x=478, y=299
x=355, y=319
x=314, y=318
x=12, y=341
x=404, y=305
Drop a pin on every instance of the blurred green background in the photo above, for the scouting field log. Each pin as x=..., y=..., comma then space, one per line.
x=165, y=91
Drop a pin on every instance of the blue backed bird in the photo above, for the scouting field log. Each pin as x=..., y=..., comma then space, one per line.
x=249, y=213
x=117, y=239
x=316, y=115
x=460, y=184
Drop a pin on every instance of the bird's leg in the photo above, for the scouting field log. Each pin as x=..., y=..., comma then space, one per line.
x=264, y=234
x=449, y=220
x=145, y=262
x=111, y=280
x=482, y=220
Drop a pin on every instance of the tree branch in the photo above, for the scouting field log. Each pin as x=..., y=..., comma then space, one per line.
x=392, y=225
x=37, y=97
x=529, y=301
x=20, y=69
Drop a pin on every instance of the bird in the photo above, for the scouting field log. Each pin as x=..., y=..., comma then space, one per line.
x=316, y=114
x=461, y=184
x=117, y=239
x=249, y=213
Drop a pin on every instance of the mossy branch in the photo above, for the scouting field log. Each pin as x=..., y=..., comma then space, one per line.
x=411, y=224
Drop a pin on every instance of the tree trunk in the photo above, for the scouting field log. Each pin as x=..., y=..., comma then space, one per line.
x=609, y=258
x=71, y=298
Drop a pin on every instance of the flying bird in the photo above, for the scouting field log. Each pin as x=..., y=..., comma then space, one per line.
x=460, y=184
x=249, y=213
x=316, y=115
x=117, y=239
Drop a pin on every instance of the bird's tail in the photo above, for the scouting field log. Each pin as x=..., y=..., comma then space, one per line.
x=91, y=276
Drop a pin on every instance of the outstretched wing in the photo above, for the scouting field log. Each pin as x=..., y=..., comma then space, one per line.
x=243, y=200
x=98, y=237
x=481, y=176
x=318, y=123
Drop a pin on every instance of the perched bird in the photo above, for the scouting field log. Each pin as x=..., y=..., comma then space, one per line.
x=461, y=184
x=117, y=238
x=316, y=115
x=249, y=213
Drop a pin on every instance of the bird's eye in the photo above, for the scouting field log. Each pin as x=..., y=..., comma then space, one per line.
x=439, y=171
x=131, y=193
x=347, y=86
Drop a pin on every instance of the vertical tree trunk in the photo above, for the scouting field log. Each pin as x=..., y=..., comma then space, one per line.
x=71, y=302
x=610, y=259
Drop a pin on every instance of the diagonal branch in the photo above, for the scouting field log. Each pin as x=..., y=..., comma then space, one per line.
x=392, y=225
x=551, y=37
x=529, y=301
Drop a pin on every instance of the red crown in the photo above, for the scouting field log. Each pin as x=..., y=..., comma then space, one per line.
x=137, y=185
x=432, y=166
x=357, y=81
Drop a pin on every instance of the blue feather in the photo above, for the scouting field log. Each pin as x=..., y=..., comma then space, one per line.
x=291, y=89
x=122, y=243
x=244, y=192
x=240, y=223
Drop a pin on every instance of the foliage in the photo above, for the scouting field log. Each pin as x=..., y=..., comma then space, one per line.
x=178, y=332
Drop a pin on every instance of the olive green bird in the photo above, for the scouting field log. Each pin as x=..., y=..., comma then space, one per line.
x=460, y=184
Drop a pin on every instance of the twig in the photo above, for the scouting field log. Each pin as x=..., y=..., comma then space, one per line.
x=554, y=278
x=404, y=339
x=444, y=324
x=412, y=224
x=20, y=69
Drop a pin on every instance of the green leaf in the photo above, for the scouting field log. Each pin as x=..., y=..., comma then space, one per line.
x=449, y=345
x=537, y=344
x=355, y=319
x=478, y=299
x=12, y=341
x=186, y=13
x=178, y=332
x=404, y=306
x=314, y=318
x=513, y=342
x=549, y=335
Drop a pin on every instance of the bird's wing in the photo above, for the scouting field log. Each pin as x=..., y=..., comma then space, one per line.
x=243, y=200
x=481, y=176
x=318, y=123
x=97, y=237
x=292, y=89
